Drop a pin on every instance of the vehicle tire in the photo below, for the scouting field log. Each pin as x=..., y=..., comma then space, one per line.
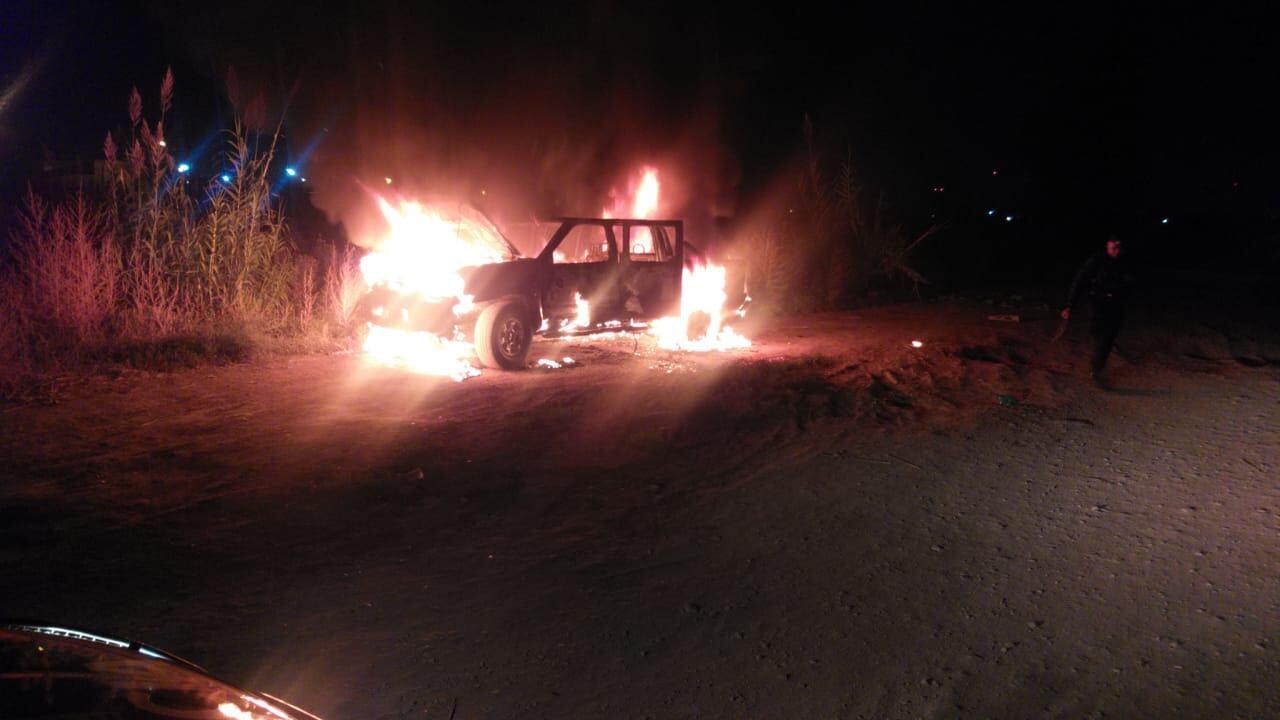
x=503, y=336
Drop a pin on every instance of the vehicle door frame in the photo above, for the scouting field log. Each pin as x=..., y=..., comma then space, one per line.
x=654, y=285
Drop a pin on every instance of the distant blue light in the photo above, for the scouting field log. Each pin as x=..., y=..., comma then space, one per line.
x=1008, y=218
x=226, y=178
x=991, y=212
x=183, y=167
x=290, y=172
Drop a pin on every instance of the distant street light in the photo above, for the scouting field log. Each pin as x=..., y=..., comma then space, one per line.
x=183, y=167
x=290, y=172
x=1008, y=218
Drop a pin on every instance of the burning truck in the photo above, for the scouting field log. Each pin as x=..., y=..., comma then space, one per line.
x=445, y=288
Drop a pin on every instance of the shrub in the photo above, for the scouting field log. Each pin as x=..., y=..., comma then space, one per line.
x=823, y=245
x=343, y=286
x=143, y=272
x=60, y=294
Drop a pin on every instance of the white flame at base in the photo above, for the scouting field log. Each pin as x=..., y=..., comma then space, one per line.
x=583, y=320
x=420, y=352
x=672, y=334
x=702, y=291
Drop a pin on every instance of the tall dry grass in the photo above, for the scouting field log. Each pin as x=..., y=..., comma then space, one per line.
x=59, y=295
x=149, y=260
x=825, y=244
x=342, y=287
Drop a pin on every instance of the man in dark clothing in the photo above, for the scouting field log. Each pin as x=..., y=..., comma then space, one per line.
x=1104, y=281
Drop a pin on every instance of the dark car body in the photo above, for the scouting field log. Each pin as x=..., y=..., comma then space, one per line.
x=57, y=673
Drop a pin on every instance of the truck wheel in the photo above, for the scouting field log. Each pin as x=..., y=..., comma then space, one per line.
x=503, y=336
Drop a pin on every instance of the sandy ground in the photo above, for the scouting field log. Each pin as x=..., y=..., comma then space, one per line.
x=833, y=524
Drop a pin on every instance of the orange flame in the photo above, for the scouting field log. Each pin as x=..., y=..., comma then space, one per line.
x=424, y=251
x=646, y=202
x=644, y=205
x=583, y=320
x=700, y=327
x=421, y=255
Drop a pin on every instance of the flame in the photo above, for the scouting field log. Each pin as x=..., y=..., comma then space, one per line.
x=700, y=327
x=583, y=320
x=646, y=202
x=556, y=364
x=643, y=206
x=421, y=352
x=424, y=251
x=421, y=255
x=644, y=197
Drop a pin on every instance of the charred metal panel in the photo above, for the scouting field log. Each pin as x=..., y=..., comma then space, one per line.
x=597, y=283
x=519, y=277
x=652, y=268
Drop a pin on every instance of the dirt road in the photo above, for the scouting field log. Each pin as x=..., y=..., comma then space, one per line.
x=833, y=524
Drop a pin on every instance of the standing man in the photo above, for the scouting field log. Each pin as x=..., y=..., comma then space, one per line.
x=1104, y=281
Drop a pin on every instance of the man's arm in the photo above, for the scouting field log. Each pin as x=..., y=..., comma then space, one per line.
x=1084, y=277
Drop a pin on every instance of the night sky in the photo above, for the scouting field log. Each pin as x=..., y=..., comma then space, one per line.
x=1092, y=118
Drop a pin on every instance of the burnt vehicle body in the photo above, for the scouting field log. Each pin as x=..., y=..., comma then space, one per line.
x=628, y=271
